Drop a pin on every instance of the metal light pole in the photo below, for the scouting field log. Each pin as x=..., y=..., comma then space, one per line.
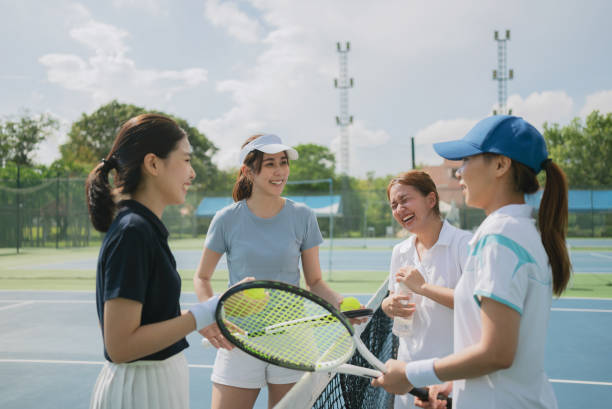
x=343, y=120
x=502, y=74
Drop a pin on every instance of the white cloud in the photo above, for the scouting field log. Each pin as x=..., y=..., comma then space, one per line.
x=361, y=136
x=439, y=131
x=103, y=38
x=601, y=101
x=151, y=6
x=109, y=73
x=48, y=150
x=545, y=106
x=228, y=16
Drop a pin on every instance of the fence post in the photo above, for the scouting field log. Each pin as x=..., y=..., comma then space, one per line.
x=18, y=208
x=57, y=217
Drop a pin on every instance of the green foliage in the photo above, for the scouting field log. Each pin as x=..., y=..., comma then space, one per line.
x=315, y=162
x=584, y=151
x=19, y=138
x=91, y=138
x=377, y=213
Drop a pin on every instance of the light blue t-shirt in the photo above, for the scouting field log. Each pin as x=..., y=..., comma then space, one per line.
x=267, y=249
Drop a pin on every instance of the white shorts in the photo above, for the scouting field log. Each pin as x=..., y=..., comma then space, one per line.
x=143, y=385
x=241, y=370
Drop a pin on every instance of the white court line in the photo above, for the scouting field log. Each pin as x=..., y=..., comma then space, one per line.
x=579, y=310
x=580, y=382
x=601, y=255
x=60, y=362
x=63, y=362
x=20, y=304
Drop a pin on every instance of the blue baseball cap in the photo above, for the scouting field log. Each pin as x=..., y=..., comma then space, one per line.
x=506, y=135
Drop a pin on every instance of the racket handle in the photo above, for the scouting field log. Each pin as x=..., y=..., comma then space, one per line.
x=349, y=369
x=423, y=394
x=206, y=343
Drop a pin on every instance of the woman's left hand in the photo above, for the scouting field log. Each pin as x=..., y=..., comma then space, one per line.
x=411, y=277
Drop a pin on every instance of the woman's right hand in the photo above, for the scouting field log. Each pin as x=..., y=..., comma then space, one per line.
x=433, y=402
x=215, y=337
x=396, y=305
x=213, y=333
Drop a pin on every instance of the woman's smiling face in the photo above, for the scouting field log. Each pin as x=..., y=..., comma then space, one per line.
x=410, y=207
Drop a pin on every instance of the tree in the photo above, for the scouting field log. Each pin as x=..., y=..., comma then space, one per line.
x=91, y=137
x=315, y=162
x=19, y=138
x=584, y=151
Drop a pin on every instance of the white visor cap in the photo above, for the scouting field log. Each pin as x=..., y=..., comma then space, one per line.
x=267, y=144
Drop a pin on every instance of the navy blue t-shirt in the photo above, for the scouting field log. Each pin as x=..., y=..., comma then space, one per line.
x=136, y=263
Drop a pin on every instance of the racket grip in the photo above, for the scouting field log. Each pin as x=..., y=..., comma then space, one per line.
x=423, y=394
x=206, y=343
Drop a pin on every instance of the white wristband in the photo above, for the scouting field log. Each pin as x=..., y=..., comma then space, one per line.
x=421, y=373
x=204, y=312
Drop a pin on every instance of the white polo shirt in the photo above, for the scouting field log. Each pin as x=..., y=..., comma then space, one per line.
x=441, y=265
x=507, y=263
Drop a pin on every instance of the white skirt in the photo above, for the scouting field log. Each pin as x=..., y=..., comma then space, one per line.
x=143, y=384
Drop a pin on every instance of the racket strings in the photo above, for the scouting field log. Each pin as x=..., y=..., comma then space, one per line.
x=286, y=327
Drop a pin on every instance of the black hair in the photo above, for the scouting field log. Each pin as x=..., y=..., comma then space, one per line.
x=140, y=135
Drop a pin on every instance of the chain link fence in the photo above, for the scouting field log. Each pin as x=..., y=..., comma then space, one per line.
x=54, y=214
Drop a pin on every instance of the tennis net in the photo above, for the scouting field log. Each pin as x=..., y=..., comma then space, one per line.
x=323, y=390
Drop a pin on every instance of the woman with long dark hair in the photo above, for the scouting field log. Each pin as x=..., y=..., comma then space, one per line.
x=137, y=284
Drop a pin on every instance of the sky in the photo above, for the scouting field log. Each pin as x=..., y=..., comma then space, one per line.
x=421, y=69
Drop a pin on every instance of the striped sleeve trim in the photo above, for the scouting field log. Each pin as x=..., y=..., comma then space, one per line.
x=480, y=293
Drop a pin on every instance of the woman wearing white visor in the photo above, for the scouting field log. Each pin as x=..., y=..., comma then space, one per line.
x=263, y=235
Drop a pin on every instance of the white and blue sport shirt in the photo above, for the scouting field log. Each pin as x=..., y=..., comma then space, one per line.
x=507, y=263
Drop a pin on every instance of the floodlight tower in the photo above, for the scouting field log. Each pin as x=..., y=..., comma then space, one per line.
x=343, y=120
x=501, y=74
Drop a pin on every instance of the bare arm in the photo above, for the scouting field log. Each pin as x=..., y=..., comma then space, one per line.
x=202, y=276
x=203, y=289
x=494, y=351
x=126, y=340
x=415, y=281
x=313, y=277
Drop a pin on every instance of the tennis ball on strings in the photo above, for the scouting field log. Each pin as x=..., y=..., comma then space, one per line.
x=247, y=302
x=255, y=293
x=350, y=303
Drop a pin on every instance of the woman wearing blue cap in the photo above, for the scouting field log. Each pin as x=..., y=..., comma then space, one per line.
x=503, y=298
x=263, y=235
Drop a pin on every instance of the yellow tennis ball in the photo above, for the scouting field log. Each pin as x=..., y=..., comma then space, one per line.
x=350, y=303
x=247, y=302
x=255, y=293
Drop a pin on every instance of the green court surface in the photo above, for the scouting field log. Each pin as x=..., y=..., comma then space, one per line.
x=358, y=267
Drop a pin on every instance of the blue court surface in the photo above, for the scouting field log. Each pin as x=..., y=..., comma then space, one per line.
x=51, y=352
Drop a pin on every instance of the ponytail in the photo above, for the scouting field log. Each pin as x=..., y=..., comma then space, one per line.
x=243, y=187
x=552, y=221
x=100, y=202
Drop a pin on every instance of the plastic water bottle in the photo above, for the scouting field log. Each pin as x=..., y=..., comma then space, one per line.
x=402, y=327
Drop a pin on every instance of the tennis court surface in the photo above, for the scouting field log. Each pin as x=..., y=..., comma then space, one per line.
x=51, y=352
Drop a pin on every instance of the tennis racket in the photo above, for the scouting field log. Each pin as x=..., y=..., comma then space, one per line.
x=293, y=328
x=320, y=319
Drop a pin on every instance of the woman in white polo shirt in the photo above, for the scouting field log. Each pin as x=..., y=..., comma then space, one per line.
x=430, y=264
x=502, y=301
